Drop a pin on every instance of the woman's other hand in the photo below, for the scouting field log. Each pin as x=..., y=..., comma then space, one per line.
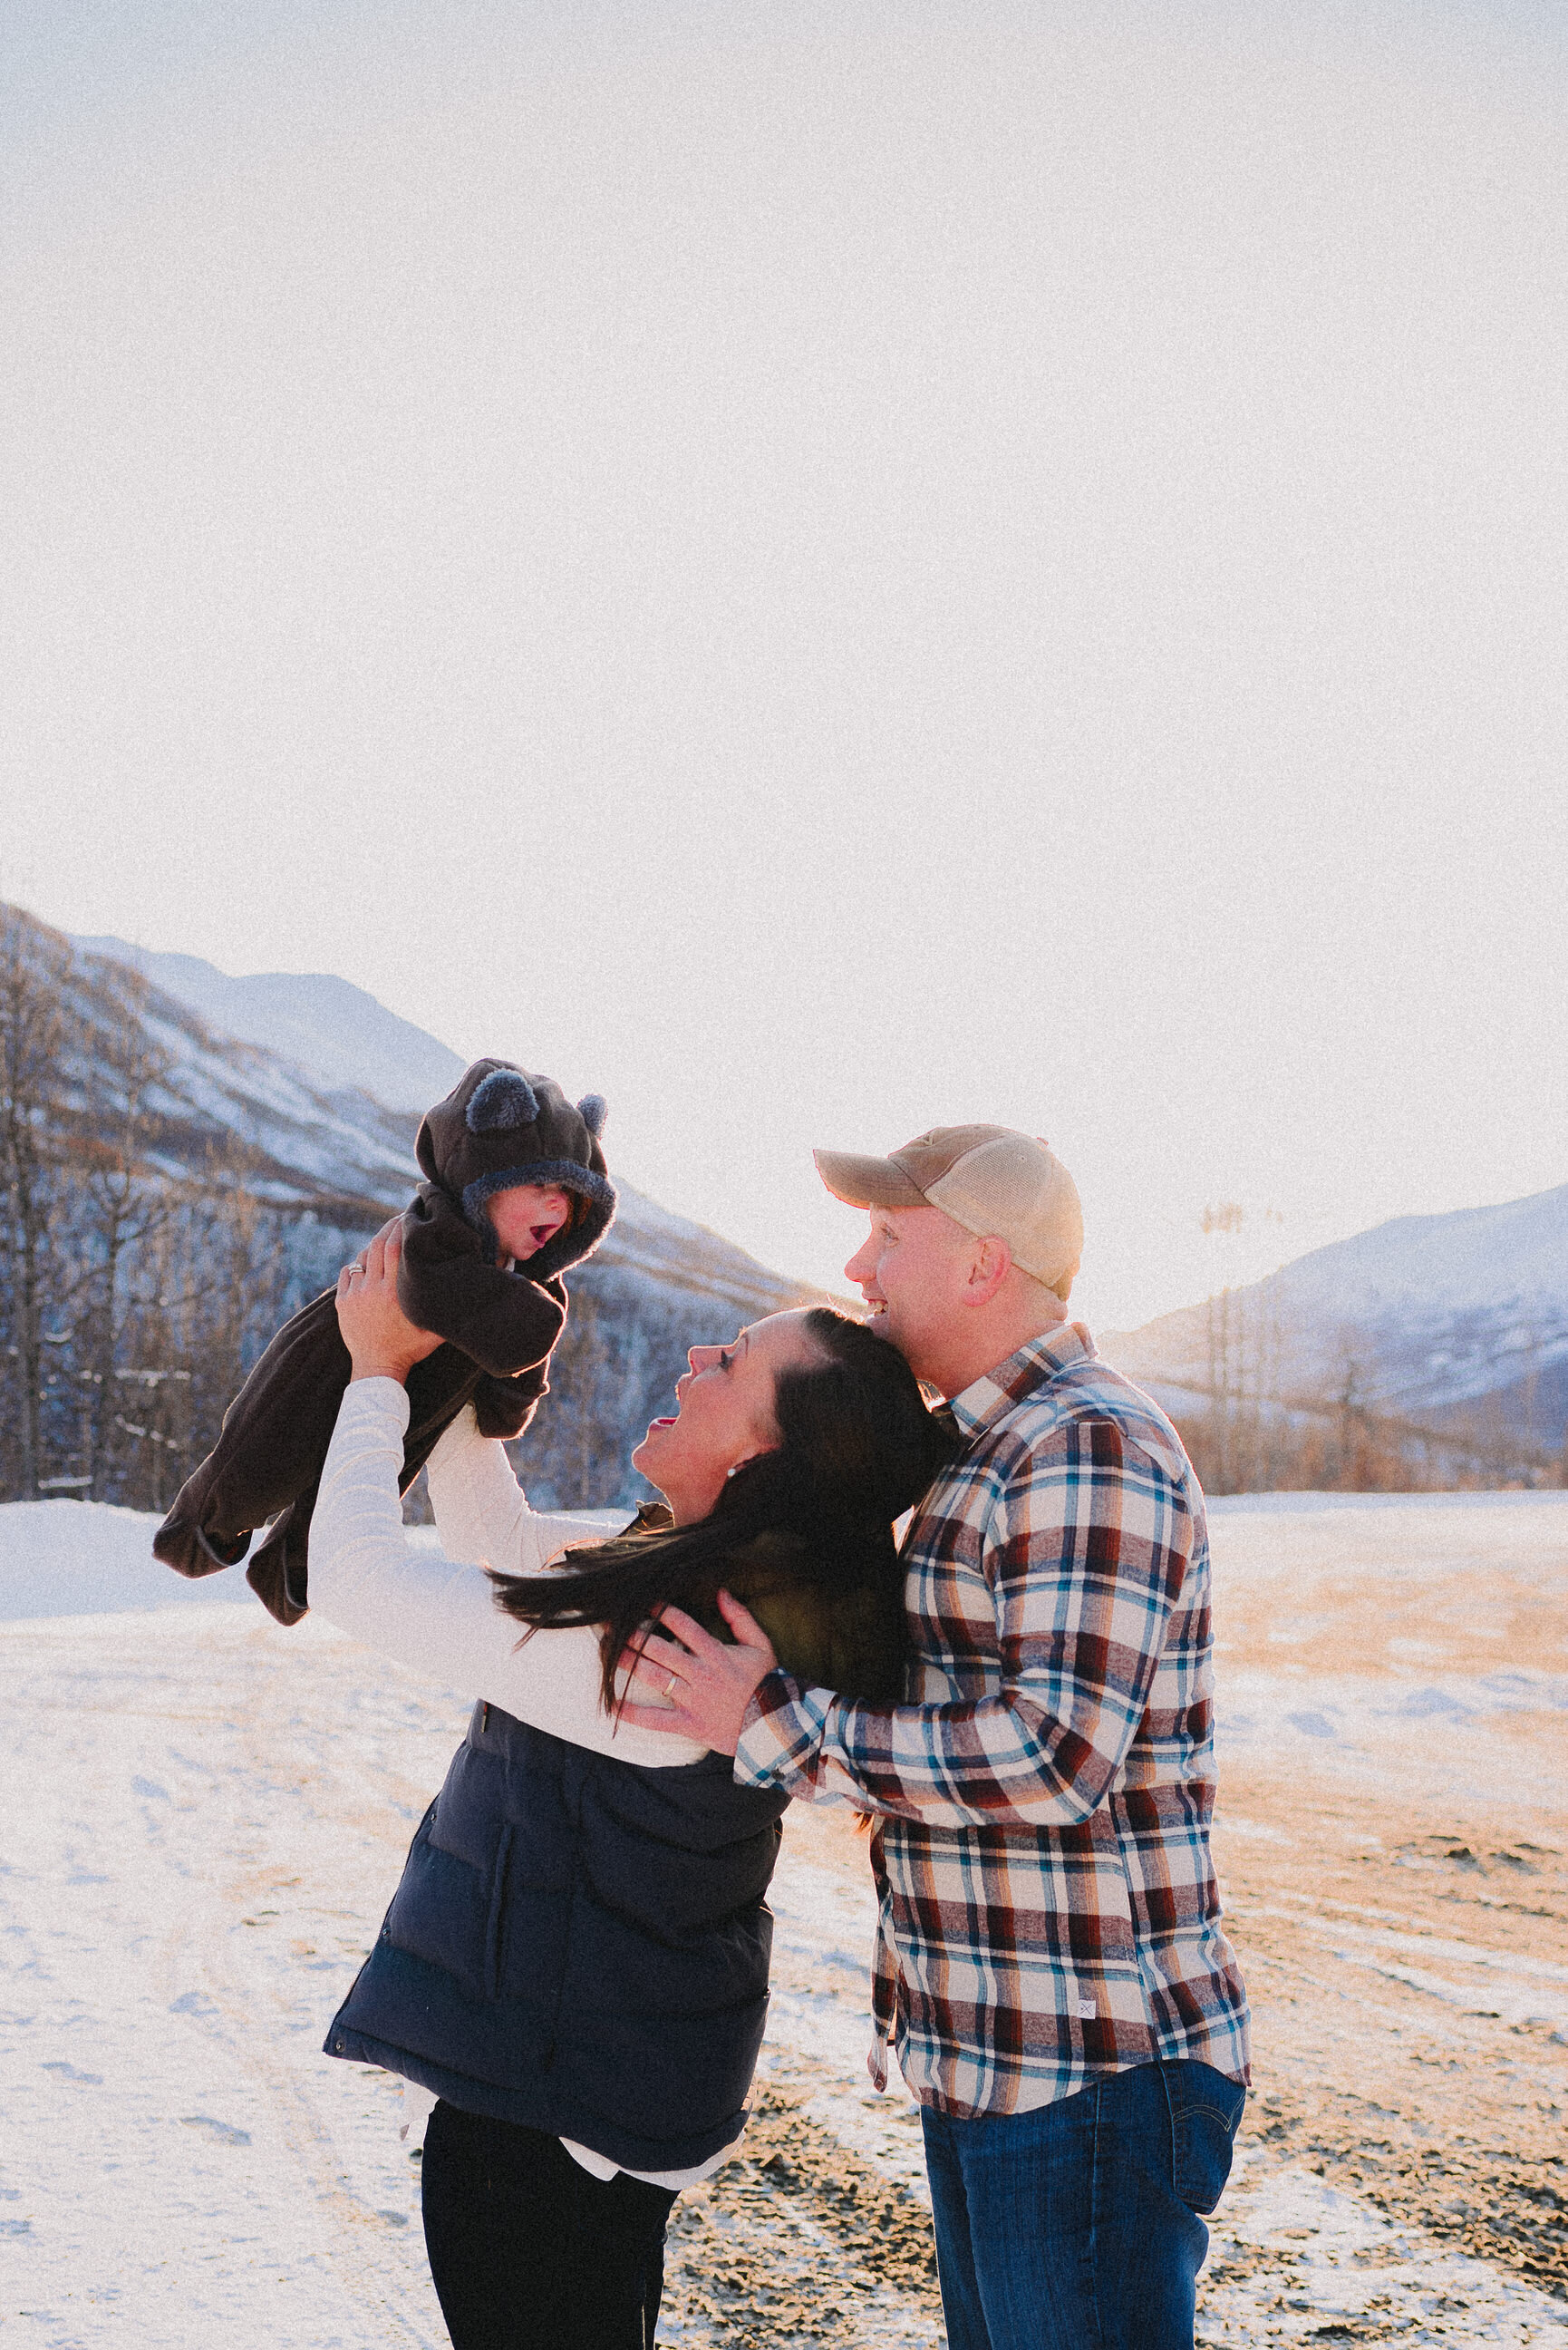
x=383, y=1343
x=706, y=1684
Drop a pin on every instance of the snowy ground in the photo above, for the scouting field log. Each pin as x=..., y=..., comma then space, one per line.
x=205, y=1816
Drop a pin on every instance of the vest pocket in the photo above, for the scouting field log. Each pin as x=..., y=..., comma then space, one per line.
x=495, y=1923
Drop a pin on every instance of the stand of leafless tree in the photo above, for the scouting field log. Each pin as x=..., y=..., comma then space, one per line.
x=137, y=1285
x=147, y=1253
x=1258, y=1431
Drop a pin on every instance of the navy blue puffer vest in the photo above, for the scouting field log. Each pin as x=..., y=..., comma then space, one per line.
x=578, y=1944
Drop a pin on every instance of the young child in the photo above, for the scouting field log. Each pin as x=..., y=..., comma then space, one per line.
x=515, y=1191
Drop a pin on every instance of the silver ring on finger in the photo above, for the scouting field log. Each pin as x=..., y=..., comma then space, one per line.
x=669, y=1684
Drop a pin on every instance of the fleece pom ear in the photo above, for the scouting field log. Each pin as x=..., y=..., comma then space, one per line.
x=505, y=1099
x=593, y=1110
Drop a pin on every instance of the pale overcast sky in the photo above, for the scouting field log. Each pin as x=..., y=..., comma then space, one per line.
x=822, y=569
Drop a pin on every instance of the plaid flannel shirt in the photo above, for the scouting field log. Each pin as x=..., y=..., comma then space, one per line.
x=1049, y=1911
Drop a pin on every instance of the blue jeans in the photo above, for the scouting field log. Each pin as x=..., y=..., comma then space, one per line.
x=1075, y=2227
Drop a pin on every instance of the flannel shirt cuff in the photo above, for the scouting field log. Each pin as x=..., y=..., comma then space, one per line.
x=781, y=1735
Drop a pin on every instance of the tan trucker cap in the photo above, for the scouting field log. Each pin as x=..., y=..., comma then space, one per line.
x=988, y=1179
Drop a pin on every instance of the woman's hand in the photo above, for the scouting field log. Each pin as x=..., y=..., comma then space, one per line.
x=383, y=1343
x=707, y=1685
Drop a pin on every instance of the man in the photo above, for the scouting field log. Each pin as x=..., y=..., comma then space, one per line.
x=1051, y=1965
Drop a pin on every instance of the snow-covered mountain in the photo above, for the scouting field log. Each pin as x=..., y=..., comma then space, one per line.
x=1432, y=1317
x=1428, y=1316
x=331, y=1090
x=304, y=1141
x=320, y=1024
x=335, y=1160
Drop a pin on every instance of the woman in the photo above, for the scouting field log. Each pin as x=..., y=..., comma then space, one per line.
x=576, y=1961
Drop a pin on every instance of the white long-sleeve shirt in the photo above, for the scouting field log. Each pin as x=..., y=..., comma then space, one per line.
x=435, y=1610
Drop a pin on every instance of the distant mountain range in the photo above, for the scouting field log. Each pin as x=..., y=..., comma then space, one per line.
x=336, y=1032
x=284, y=1063
x=332, y=1089
x=1439, y=1320
x=1448, y=1321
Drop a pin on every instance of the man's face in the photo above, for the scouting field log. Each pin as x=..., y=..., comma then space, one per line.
x=911, y=1272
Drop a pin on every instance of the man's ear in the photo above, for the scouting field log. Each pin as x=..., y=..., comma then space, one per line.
x=988, y=1268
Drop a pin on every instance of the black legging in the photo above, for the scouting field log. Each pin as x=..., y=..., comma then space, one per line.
x=530, y=2251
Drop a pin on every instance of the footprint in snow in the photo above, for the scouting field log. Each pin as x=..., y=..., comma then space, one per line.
x=68, y=2073
x=225, y=2130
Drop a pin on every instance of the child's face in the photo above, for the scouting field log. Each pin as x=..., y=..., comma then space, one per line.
x=526, y=1216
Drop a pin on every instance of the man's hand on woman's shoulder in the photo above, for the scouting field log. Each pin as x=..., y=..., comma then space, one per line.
x=707, y=1684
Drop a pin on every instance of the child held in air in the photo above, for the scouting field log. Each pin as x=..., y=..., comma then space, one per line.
x=515, y=1191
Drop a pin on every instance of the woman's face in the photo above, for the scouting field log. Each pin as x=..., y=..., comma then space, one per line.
x=724, y=1414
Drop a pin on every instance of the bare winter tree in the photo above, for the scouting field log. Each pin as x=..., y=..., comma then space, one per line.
x=1244, y=1435
x=576, y=1450
x=36, y=1034
x=203, y=1290
x=124, y=1201
x=236, y=1291
x=1222, y=1224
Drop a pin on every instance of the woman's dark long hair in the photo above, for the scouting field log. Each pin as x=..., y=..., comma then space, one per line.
x=858, y=1447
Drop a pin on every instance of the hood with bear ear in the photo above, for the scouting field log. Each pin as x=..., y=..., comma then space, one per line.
x=501, y=1126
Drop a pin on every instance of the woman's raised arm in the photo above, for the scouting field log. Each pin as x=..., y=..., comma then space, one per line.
x=483, y=1513
x=411, y=1603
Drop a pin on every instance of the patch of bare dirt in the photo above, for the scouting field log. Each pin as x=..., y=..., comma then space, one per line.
x=1409, y=1990
x=799, y=2239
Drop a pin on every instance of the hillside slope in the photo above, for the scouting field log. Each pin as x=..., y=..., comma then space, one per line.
x=342, y=1160
x=1434, y=1318
x=325, y=1025
x=333, y=1083
x=1442, y=1319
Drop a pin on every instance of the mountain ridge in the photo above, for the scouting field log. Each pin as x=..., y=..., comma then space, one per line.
x=332, y=1161
x=288, y=1015
x=326, y=1025
x=1430, y=1317
x=1433, y=1317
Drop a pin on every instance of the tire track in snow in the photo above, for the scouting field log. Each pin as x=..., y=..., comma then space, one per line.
x=365, y=2264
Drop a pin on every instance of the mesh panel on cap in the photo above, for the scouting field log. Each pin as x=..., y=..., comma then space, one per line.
x=1012, y=1186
